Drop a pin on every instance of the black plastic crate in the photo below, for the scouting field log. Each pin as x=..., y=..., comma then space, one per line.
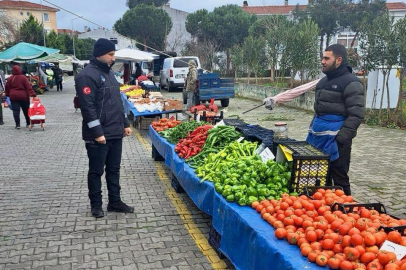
x=310, y=166
x=309, y=191
x=234, y=122
x=351, y=207
x=274, y=148
x=214, y=241
x=400, y=229
x=176, y=185
x=156, y=155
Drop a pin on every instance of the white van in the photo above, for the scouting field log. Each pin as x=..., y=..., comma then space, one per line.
x=174, y=71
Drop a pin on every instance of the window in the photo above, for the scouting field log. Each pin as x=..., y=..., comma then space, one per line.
x=346, y=41
x=183, y=62
x=146, y=65
x=114, y=40
x=21, y=13
x=28, y=13
x=46, y=17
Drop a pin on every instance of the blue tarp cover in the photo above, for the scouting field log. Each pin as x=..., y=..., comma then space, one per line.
x=246, y=239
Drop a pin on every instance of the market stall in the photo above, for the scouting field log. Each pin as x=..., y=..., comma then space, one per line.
x=211, y=165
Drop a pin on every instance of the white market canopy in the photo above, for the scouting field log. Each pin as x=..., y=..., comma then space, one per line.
x=134, y=55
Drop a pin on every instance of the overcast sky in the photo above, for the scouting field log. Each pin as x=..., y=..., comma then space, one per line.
x=107, y=12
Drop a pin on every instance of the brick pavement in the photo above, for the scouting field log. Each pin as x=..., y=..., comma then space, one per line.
x=378, y=161
x=45, y=220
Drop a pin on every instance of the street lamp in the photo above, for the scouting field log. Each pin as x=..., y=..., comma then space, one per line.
x=73, y=38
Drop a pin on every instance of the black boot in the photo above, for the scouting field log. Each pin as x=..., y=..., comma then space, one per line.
x=97, y=212
x=120, y=207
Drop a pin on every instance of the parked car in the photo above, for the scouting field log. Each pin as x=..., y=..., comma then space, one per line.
x=174, y=71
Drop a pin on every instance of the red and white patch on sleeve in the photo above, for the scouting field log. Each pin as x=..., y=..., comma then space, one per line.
x=86, y=90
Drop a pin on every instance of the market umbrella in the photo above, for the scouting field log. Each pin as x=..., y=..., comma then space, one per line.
x=56, y=57
x=130, y=54
x=25, y=51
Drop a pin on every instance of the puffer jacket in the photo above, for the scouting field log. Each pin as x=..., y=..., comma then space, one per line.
x=341, y=93
x=18, y=88
x=100, y=102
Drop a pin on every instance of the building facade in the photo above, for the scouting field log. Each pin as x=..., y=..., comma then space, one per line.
x=178, y=36
x=120, y=41
x=14, y=13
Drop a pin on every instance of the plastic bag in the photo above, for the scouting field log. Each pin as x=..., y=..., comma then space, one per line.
x=8, y=102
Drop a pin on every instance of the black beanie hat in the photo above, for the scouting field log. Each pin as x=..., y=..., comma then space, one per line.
x=338, y=51
x=103, y=46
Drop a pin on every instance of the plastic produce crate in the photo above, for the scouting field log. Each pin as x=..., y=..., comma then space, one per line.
x=214, y=241
x=310, y=166
x=176, y=186
x=400, y=229
x=234, y=122
x=351, y=207
x=274, y=148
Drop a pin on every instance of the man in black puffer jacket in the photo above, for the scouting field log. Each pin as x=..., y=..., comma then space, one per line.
x=104, y=126
x=339, y=104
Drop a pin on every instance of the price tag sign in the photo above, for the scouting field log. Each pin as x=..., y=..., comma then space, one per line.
x=221, y=123
x=399, y=250
x=266, y=155
x=260, y=149
x=240, y=139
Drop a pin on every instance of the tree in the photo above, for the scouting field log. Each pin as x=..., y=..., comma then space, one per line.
x=237, y=59
x=301, y=50
x=380, y=49
x=273, y=29
x=147, y=24
x=327, y=14
x=31, y=31
x=255, y=55
x=401, y=43
x=363, y=12
x=9, y=32
x=54, y=40
x=226, y=25
x=196, y=23
x=157, y=3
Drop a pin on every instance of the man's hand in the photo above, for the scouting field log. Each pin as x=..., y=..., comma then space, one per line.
x=127, y=132
x=101, y=139
x=269, y=103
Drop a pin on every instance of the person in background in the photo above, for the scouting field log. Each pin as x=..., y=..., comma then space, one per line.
x=138, y=71
x=103, y=128
x=58, y=76
x=19, y=89
x=190, y=84
x=2, y=89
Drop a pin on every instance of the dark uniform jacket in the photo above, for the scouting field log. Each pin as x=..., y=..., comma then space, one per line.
x=341, y=93
x=100, y=102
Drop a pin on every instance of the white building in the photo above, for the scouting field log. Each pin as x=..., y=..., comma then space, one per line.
x=178, y=35
x=120, y=41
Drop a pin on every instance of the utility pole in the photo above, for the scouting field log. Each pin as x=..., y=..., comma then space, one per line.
x=73, y=38
x=43, y=29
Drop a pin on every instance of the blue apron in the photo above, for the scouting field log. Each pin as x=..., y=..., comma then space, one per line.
x=323, y=131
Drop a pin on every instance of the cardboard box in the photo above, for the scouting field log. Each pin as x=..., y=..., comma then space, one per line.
x=173, y=104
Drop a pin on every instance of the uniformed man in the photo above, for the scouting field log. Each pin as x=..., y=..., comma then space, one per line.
x=104, y=126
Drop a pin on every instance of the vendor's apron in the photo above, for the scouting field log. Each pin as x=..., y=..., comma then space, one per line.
x=323, y=132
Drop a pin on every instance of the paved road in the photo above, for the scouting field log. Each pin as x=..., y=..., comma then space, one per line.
x=45, y=220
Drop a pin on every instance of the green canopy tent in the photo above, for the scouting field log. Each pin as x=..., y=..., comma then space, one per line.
x=56, y=57
x=25, y=51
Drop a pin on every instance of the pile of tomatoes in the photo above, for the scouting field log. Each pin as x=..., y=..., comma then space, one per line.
x=330, y=237
x=164, y=123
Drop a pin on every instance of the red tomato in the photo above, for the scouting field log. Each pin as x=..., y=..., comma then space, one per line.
x=321, y=260
x=280, y=233
x=346, y=265
x=334, y=263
